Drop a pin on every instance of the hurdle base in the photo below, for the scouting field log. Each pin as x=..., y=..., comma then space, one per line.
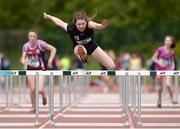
x=126, y=123
x=61, y=114
x=125, y=115
x=37, y=123
x=52, y=123
x=139, y=123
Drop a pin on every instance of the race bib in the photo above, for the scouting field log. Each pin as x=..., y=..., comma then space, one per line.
x=33, y=61
x=165, y=61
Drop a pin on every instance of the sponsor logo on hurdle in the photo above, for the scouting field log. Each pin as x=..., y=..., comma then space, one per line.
x=88, y=73
x=103, y=73
x=75, y=73
x=66, y=73
x=8, y=73
x=176, y=73
x=111, y=73
x=22, y=72
x=162, y=73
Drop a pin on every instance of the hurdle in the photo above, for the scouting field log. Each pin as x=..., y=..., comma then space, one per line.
x=128, y=79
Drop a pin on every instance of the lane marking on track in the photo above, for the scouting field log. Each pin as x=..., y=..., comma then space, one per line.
x=160, y=116
x=29, y=109
x=161, y=124
x=130, y=121
x=23, y=116
x=99, y=105
x=160, y=109
x=16, y=124
x=92, y=116
x=96, y=109
x=90, y=124
x=40, y=105
x=163, y=105
x=59, y=114
x=3, y=110
x=100, y=102
x=64, y=116
x=6, y=108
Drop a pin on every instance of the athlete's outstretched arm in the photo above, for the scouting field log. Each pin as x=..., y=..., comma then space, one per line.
x=52, y=50
x=23, y=59
x=155, y=58
x=98, y=26
x=56, y=20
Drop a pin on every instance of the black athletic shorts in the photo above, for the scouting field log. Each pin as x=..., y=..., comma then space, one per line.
x=90, y=47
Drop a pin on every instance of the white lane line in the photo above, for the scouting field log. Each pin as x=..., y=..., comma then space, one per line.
x=130, y=121
x=91, y=124
x=6, y=108
x=64, y=116
x=2, y=105
x=3, y=110
x=100, y=102
x=23, y=116
x=88, y=116
x=96, y=109
x=65, y=124
x=92, y=116
x=40, y=105
x=160, y=109
x=161, y=124
x=161, y=116
x=163, y=105
x=59, y=114
x=16, y=124
x=99, y=105
x=28, y=109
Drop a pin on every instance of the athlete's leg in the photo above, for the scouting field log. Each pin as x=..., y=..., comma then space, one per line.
x=31, y=85
x=170, y=87
x=103, y=58
x=160, y=82
x=81, y=52
x=41, y=84
x=42, y=90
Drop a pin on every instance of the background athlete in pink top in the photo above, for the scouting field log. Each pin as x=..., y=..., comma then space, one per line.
x=32, y=59
x=35, y=55
x=164, y=59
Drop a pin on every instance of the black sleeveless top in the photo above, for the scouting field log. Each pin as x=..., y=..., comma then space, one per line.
x=80, y=38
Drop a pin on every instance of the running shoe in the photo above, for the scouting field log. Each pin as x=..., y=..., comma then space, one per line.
x=44, y=99
x=159, y=104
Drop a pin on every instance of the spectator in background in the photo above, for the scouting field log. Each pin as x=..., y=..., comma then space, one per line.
x=164, y=59
x=78, y=64
x=119, y=61
x=4, y=62
x=124, y=61
x=135, y=62
x=4, y=65
x=65, y=63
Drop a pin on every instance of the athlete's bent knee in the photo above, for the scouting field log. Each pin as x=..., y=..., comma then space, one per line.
x=111, y=66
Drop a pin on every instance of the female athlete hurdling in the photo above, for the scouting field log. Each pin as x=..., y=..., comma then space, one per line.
x=82, y=35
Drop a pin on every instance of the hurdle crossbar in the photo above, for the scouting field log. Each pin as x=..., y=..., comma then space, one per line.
x=87, y=72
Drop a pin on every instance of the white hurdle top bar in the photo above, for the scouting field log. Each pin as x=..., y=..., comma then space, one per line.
x=86, y=72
